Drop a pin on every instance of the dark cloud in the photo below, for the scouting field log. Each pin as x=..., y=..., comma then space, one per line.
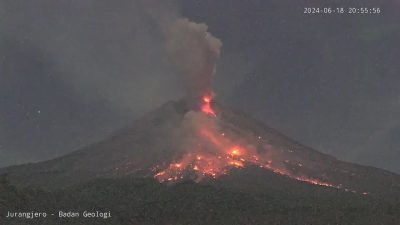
x=73, y=71
x=115, y=48
x=194, y=52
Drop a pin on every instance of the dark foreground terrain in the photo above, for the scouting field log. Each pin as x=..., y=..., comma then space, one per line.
x=145, y=201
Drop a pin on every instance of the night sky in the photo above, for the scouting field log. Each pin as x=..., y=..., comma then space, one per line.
x=72, y=72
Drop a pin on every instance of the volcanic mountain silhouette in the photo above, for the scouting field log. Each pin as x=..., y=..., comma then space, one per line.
x=149, y=146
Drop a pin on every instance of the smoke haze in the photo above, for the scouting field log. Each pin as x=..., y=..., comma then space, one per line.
x=88, y=67
x=194, y=52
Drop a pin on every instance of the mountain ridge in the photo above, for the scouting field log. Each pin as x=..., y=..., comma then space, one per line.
x=147, y=142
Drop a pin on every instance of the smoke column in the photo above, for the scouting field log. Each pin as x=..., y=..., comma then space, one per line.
x=194, y=51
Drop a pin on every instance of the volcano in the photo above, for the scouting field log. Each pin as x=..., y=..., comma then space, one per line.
x=200, y=140
x=213, y=145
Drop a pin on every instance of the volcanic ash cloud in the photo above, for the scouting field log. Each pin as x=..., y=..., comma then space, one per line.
x=194, y=51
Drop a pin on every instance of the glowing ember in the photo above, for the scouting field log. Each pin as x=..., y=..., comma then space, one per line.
x=235, y=151
x=236, y=164
x=206, y=106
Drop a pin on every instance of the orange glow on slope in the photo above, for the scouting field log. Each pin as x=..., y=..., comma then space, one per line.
x=235, y=151
x=216, y=153
x=206, y=106
x=236, y=164
x=219, y=162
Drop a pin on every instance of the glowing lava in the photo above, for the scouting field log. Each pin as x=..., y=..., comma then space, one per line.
x=215, y=164
x=214, y=153
x=235, y=151
x=206, y=106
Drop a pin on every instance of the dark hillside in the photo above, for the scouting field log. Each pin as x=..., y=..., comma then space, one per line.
x=145, y=201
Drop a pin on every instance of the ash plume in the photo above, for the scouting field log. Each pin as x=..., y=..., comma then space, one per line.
x=193, y=51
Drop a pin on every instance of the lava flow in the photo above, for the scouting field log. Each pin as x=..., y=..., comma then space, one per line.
x=206, y=106
x=213, y=153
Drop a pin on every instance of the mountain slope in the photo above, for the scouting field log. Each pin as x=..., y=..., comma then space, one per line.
x=145, y=201
x=151, y=142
